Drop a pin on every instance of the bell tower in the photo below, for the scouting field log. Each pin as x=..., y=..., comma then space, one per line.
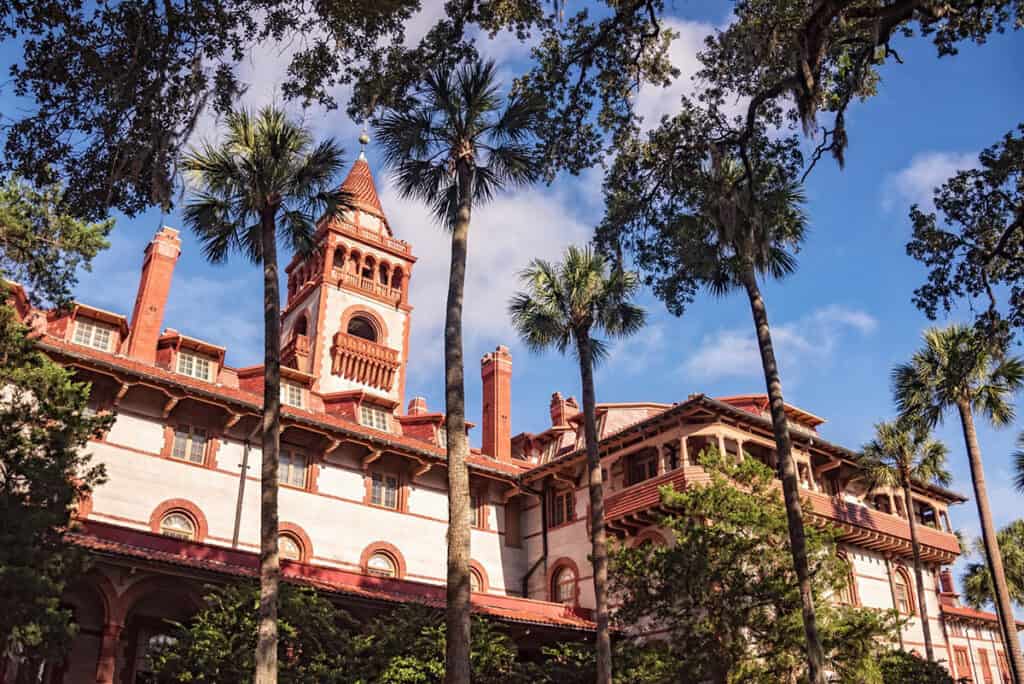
x=346, y=322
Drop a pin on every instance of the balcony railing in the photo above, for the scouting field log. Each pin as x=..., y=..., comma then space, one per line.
x=376, y=236
x=295, y=352
x=637, y=506
x=364, y=361
x=370, y=285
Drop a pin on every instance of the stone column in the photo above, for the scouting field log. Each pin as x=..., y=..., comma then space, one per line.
x=106, y=664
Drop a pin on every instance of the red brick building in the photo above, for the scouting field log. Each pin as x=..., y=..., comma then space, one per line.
x=363, y=489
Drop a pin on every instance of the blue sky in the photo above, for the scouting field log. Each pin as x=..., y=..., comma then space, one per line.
x=841, y=322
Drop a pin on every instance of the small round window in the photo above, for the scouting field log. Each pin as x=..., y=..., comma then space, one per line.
x=360, y=327
x=476, y=582
x=289, y=547
x=382, y=565
x=177, y=524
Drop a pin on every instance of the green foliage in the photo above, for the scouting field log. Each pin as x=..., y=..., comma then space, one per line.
x=41, y=246
x=977, y=581
x=958, y=365
x=321, y=643
x=900, y=667
x=44, y=473
x=976, y=251
x=901, y=454
x=267, y=167
x=567, y=300
x=727, y=591
x=458, y=121
x=118, y=87
x=694, y=219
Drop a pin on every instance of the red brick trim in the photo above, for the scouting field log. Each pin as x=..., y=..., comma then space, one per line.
x=386, y=548
x=553, y=570
x=485, y=584
x=185, y=506
x=362, y=310
x=305, y=545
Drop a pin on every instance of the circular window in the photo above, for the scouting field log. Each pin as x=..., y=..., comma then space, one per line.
x=361, y=327
x=382, y=565
x=289, y=547
x=179, y=525
x=564, y=586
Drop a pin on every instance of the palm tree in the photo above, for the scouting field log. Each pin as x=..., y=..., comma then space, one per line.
x=962, y=369
x=742, y=221
x=899, y=456
x=455, y=148
x=266, y=179
x=1018, y=464
x=977, y=580
x=562, y=305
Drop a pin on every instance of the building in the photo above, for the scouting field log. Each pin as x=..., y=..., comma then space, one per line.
x=363, y=490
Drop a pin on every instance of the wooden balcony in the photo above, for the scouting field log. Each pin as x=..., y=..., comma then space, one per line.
x=364, y=361
x=369, y=285
x=637, y=506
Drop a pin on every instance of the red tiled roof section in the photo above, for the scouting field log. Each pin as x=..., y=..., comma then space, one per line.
x=359, y=183
x=972, y=614
x=104, y=538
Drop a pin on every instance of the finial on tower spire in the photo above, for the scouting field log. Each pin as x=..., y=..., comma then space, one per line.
x=364, y=140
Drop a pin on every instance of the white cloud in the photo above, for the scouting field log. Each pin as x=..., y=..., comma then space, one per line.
x=809, y=341
x=504, y=237
x=916, y=183
x=633, y=355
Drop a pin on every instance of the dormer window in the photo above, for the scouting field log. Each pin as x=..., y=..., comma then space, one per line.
x=291, y=394
x=372, y=416
x=193, y=365
x=91, y=334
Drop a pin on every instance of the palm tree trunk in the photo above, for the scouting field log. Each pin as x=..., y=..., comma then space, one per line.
x=457, y=611
x=991, y=542
x=270, y=569
x=787, y=472
x=599, y=547
x=918, y=571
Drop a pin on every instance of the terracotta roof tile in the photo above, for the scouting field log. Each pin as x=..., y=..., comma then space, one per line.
x=114, y=540
x=359, y=183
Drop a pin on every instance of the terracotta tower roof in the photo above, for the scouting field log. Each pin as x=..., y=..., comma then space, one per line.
x=359, y=182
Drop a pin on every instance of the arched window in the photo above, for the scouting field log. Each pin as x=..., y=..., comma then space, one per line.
x=369, y=264
x=178, y=524
x=302, y=325
x=848, y=594
x=362, y=327
x=382, y=564
x=289, y=547
x=902, y=594
x=396, y=278
x=339, y=258
x=383, y=274
x=563, y=586
x=476, y=581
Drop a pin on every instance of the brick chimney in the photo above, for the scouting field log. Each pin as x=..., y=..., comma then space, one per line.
x=154, y=286
x=417, y=406
x=562, y=409
x=496, y=371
